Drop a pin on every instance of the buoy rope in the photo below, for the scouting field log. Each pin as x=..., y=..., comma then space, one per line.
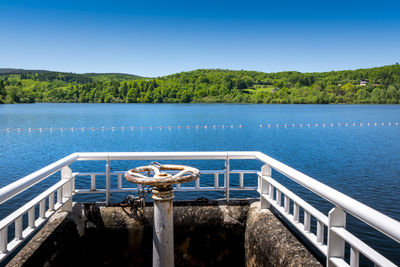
x=209, y=126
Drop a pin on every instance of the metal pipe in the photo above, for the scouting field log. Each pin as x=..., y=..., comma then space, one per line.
x=108, y=182
x=163, y=229
x=227, y=170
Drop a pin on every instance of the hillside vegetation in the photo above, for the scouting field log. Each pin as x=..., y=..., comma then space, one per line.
x=379, y=85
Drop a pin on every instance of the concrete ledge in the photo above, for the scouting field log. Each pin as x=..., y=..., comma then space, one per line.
x=269, y=243
x=49, y=243
x=206, y=233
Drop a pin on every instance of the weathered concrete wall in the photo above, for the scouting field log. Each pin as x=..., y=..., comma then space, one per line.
x=269, y=243
x=205, y=234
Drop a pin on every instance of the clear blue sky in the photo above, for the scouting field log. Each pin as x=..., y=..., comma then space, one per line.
x=154, y=38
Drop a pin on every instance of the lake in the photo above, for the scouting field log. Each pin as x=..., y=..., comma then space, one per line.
x=359, y=160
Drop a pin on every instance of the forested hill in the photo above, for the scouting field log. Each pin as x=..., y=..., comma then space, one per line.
x=374, y=85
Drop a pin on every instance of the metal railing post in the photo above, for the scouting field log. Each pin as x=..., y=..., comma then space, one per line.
x=227, y=172
x=108, y=182
x=3, y=240
x=66, y=192
x=337, y=218
x=264, y=187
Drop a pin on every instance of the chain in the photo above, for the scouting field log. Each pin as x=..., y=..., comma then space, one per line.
x=137, y=204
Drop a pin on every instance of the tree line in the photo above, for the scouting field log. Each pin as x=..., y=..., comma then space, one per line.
x=379, y=85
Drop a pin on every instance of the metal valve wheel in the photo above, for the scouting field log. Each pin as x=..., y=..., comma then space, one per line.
x=161, y=179
x=163, y=238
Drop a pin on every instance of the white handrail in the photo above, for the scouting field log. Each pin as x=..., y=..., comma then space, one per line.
x=385, y=224
x=22, y=184
x=374, y=218
x=19, y=212
x=166, y=155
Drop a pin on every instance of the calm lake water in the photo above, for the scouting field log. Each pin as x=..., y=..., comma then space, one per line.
x=362, y=162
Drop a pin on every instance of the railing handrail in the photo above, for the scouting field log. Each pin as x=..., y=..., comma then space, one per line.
x=376, y=219
x=22, y=184
x=381, y=222
x=167, y=155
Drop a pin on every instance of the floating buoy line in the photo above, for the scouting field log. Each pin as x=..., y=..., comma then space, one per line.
x=223, y=126
x=323, y=125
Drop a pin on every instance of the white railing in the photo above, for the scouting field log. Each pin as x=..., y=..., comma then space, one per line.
x=272, y=194
x=178, y=187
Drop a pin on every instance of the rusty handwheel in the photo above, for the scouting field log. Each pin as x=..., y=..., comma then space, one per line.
x=162, y=179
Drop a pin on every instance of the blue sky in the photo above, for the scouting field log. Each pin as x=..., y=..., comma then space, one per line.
x=155, y=38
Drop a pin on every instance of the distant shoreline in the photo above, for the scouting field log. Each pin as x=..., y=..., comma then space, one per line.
x=379, y=85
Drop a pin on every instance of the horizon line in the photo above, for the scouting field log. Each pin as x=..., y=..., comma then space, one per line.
x=123, y=73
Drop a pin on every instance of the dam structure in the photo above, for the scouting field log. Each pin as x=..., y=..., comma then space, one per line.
x=257, y=222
